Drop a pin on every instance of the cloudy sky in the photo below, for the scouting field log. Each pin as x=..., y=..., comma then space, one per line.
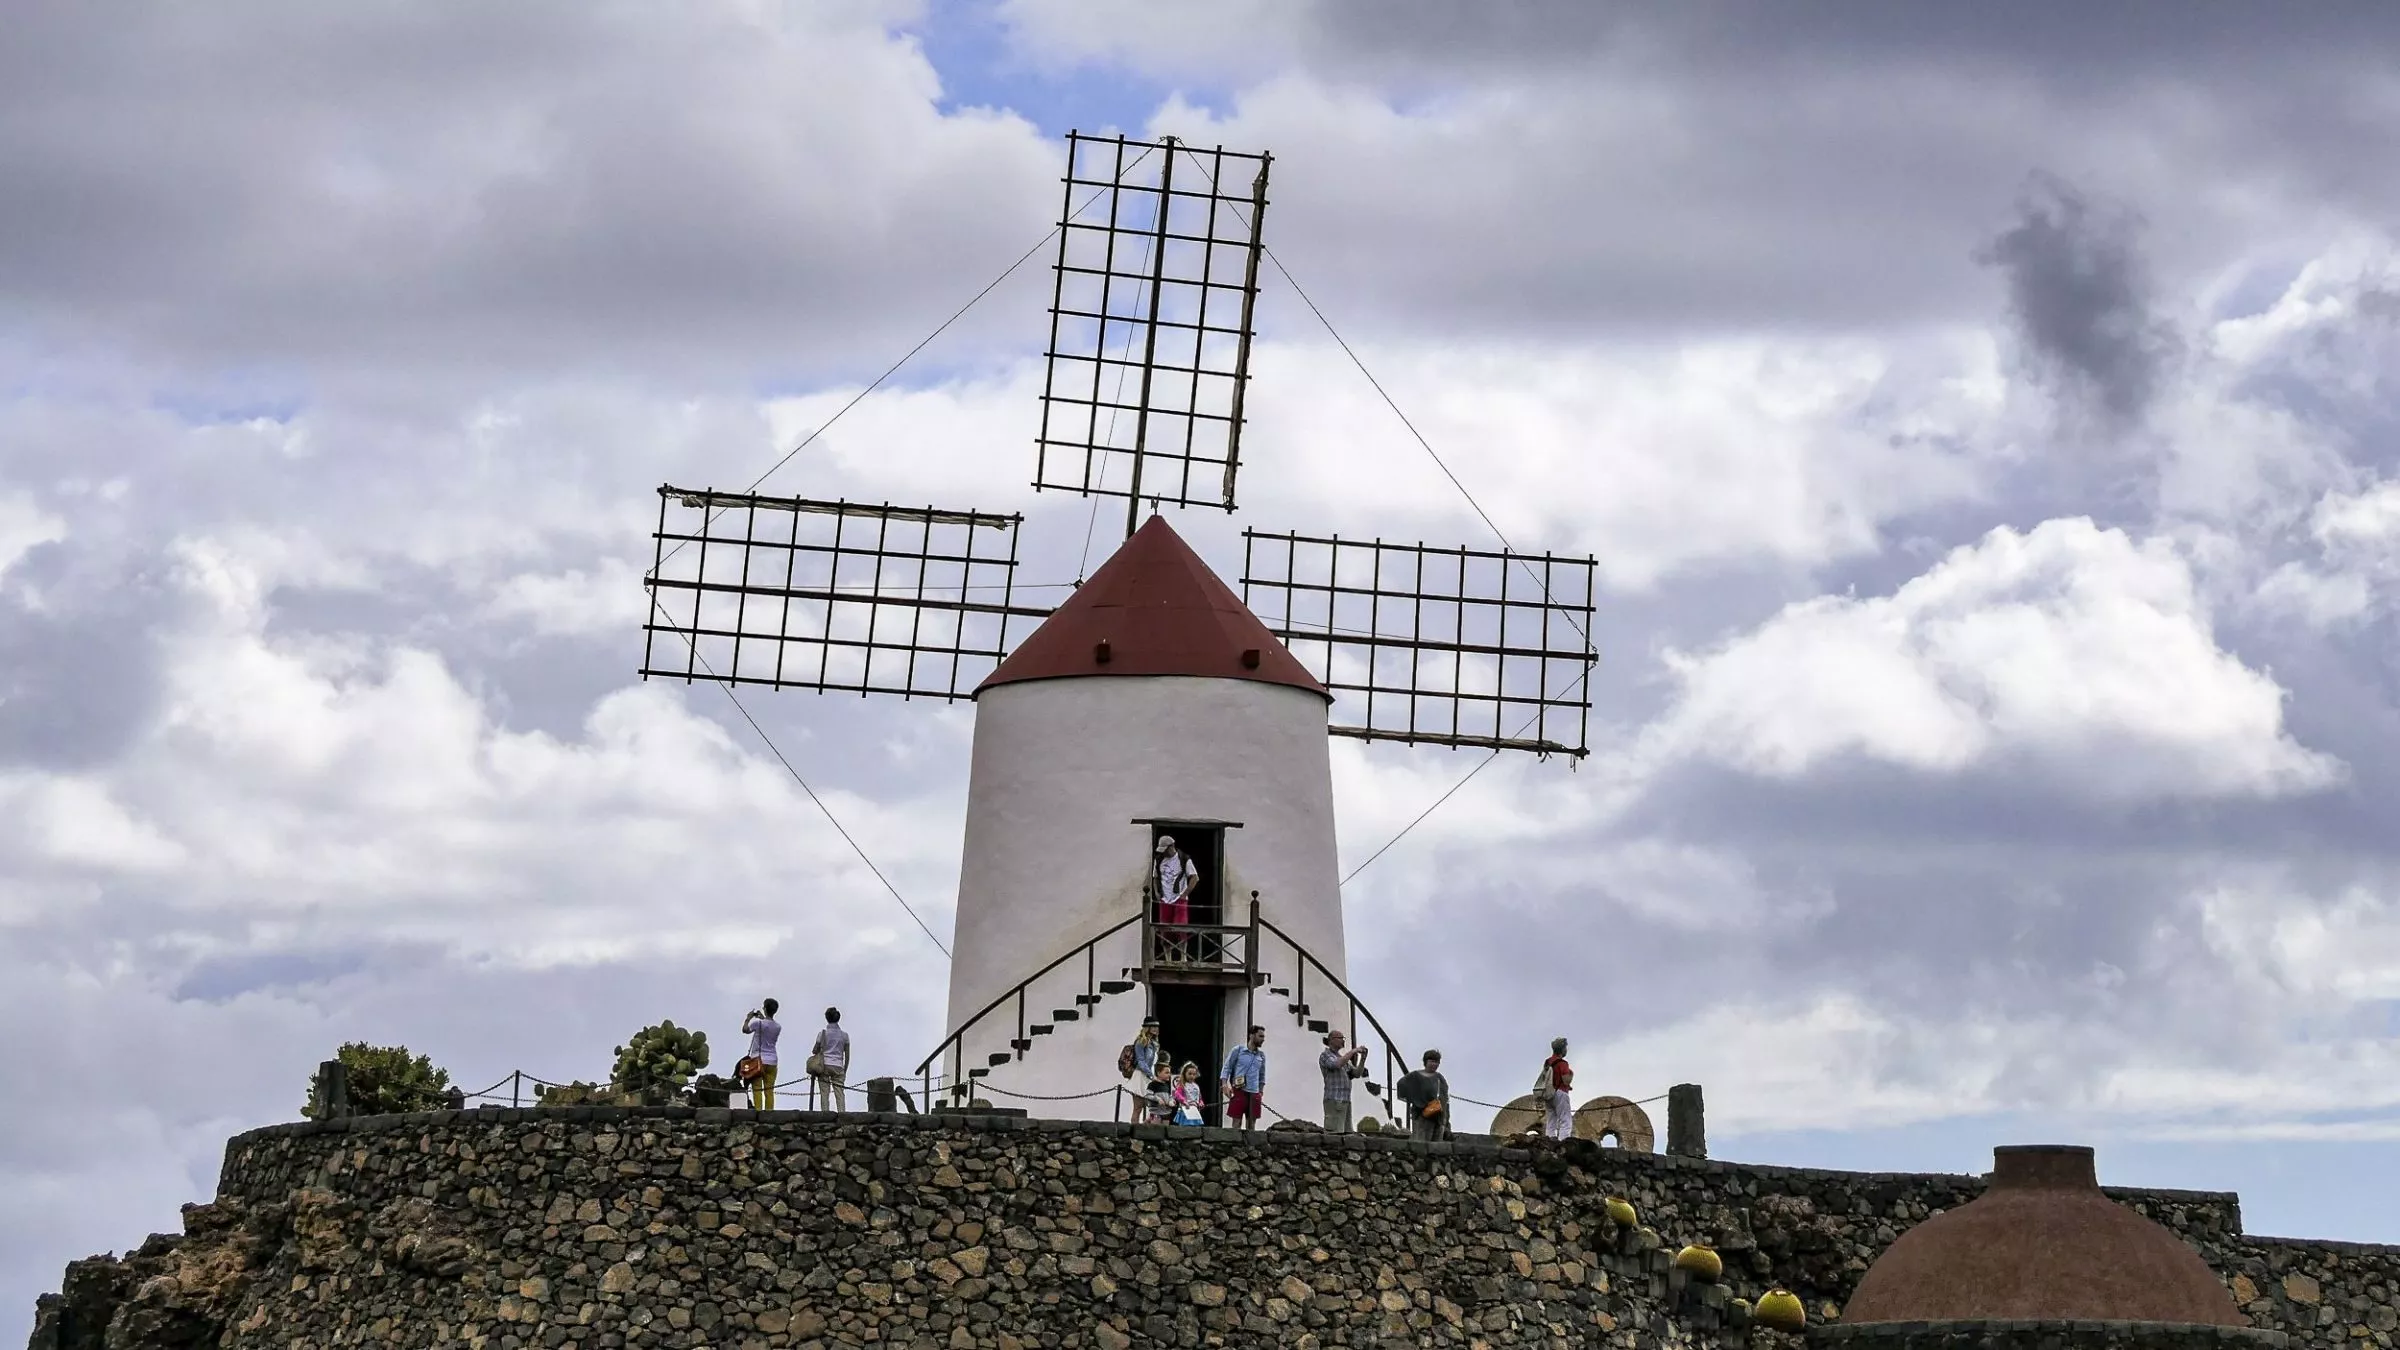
x=1983, y=419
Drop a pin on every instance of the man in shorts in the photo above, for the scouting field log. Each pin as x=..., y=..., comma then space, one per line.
x=1245, y=1080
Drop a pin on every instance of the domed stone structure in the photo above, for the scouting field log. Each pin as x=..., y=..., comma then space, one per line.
x=2041, y=1243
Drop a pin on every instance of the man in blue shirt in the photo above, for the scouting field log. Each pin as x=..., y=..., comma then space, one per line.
x=1245, y=1079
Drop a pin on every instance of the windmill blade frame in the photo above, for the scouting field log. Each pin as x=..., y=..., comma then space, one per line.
x=1145, y=272
x=1413, y=638
x=726, y=596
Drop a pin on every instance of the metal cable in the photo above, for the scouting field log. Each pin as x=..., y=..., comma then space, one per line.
x=693, y=641
x=893, y=369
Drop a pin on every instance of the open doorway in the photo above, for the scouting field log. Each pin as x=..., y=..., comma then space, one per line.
x=1191, y=1029
x=1204, y=844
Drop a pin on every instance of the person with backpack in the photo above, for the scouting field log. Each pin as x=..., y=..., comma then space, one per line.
x=1177, y=876
x=1426, y=1095
x=829, y=1062
x=1555, y=1087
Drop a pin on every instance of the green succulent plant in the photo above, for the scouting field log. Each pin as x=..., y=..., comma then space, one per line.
x=658, y=1063
x=384, y=1080
x=575, y=1094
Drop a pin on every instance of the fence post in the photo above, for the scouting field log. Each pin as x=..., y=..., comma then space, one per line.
x=333, y=1090
x=516, y=1087
x=1687, y=1131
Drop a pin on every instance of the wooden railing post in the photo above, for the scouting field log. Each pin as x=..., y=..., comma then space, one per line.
x=1250, y=970
x=1149, y=947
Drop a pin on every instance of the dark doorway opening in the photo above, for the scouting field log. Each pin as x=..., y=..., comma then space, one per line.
x=1205, y=846
x=1191, y=1028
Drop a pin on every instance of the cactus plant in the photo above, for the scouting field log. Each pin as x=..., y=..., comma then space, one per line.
x=1780, y=1309
x=658, y=1063
x=581, y=1094
x=1700, y=1260
x=385, y=1080
x=1620, y=1210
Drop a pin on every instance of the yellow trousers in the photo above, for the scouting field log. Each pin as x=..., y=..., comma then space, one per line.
x=762, y=1089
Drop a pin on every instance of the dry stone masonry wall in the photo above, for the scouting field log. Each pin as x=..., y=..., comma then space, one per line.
x=605, y=1227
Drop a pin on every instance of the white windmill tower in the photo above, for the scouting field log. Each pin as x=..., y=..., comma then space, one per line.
x=1153, y=701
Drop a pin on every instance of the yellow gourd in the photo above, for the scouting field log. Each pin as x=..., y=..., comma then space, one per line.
x=1780, y=1309
x=1621, y=1210
x=1700, y=1261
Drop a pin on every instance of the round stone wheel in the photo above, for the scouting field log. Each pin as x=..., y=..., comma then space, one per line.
x=1603, y=1118
x=1599, y=1120
x=1522, y=1114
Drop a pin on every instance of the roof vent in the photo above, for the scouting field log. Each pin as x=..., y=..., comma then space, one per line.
x=1249, y=658
x=1100, y=651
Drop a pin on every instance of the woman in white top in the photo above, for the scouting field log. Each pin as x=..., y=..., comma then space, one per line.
x=764, y=1030
x=1176, y=879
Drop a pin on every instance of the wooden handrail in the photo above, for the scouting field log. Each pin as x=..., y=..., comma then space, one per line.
x=1391, y=1047
x=1018, y=991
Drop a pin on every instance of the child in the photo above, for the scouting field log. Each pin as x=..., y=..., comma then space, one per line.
x=1188, y=1102
x=1159, y=1102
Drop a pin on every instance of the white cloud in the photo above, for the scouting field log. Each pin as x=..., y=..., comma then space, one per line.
x=24, y=527
x=357, y=786
x=2069, y=648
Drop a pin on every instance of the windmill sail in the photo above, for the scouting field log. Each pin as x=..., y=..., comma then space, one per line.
x=836, y=596
x=1440, y=646
x=1151, y=322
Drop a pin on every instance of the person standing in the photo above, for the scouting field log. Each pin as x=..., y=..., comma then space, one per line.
x=829, y=1063
x=1244, y=1080
x=1176, y=878
x=1148, y=1062
x=1556, y=1087
x=764, y=1030
x=1426, y=1094
x=1189, y=1104
x=1339, y=1067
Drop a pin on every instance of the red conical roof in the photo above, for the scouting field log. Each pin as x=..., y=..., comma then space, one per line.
x=1159, y=610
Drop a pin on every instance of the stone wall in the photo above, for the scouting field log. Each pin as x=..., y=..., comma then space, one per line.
x=608, y=1227
x=2324, y=1293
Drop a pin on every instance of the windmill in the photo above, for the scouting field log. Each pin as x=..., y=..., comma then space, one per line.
x=1154, y=702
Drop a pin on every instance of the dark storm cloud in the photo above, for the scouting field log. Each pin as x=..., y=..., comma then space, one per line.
x=646, y=189
x=2052, y=38
x=1579, y=168
x=2081, y=298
